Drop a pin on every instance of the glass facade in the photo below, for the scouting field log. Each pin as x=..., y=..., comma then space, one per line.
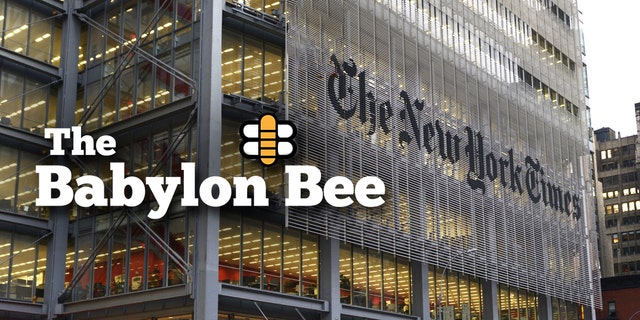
x=129, y=260
x=28, y=101
x=138, y=80
x=480, y=144
x=257, y=253
x=375, y=280
x=121, y=84
x=251, y=67
x=31, y=29
x=19, y=181
x=22, y=266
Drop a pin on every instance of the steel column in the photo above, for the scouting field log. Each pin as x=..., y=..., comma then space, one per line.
x=420, y=285
x=59, y=217
x=206, y=286
x=329, y=272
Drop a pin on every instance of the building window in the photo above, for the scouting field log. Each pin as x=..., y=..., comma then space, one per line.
x=26, y=102
x=372, y=279
x=19, y=182
x=22, y=266
x=129, y=260
x=614, y=238
x=264, y=255
x=611, y=308
x=31, y=29
x=514, y=303
x=251, y=67
x=608, y=209
x=130, y=84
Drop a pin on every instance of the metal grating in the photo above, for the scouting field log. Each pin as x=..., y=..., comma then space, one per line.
x=428, y=70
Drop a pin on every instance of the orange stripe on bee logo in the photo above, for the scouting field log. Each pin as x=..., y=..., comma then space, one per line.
x=267, y=152
x=268, y=144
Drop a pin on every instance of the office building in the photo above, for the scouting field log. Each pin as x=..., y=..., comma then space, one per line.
x=619, y=223
x=472, y=113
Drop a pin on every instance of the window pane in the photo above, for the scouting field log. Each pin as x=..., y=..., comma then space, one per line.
x=22, y=266
x=272, y=256
x=229, y=249
x=5, y=252
x=251, y=252
x=291, y=263
x=310, y=265
x=345, y=273
x=390, y=281
x=118, y=260
x=177, y=242
x=359, y=277
x=273, y=84
x=231, y=62
x=253, y=62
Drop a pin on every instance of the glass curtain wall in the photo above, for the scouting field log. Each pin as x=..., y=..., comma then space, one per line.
x=19, y=182
x=27, y=100
x=251, y=67
x=31, y=29
x=516, y=303
x=22, y=266
x=121, y=85
x=129, y=260
x=456, y=293
x=376, y=280
x=258, y=253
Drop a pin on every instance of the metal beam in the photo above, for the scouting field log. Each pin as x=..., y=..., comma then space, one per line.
x=21, y=307
x=19, y=138
x=276, y=298
x=120, y=300
x=29, y=62
x=173, y=110
x=362, y=312
x=52, y=4
x=23, y=221
x=251, y=21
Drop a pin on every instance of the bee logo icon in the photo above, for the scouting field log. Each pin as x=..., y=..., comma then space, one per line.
x=268, y=139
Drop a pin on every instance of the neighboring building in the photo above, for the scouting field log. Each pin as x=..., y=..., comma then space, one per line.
x=473, y=114
x=620, y=298
x=620, y=222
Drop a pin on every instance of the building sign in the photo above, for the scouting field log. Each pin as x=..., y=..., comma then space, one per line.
x=436, y=140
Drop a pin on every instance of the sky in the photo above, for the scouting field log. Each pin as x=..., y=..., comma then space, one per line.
x=611, y=32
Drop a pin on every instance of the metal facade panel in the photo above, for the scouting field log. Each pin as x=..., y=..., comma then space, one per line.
x=430, y=101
